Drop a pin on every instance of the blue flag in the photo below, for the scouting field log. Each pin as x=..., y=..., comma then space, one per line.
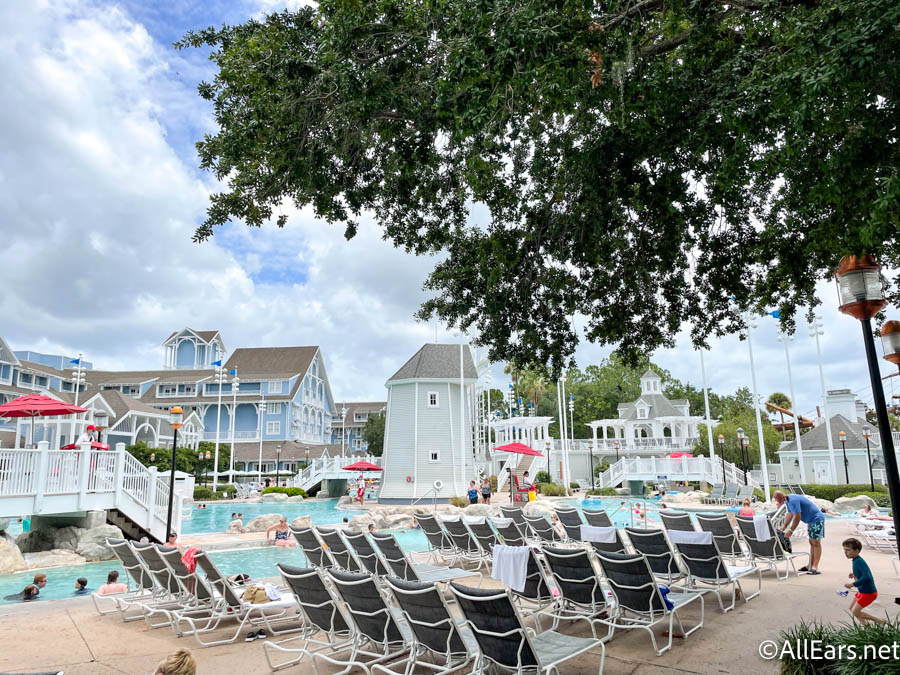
x=217, y=363
x=75, y=361
x=776, y=314
x=233, y=371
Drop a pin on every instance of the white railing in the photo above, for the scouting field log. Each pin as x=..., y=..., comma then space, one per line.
x=665, y=469
x=18, y=472
x=225, y=436
x=135, y=479
x=328, y=467
x=62, y=472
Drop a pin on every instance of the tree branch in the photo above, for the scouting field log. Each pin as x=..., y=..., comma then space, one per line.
x=392, y=52
x=627, y=14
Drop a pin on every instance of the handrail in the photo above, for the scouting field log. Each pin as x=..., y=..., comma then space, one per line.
x=433, y=499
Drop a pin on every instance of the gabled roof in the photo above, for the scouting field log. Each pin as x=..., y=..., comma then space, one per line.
x=45, y=370
x=352, y=409
x=100, y=377
x=437, y=362
x=249, y=452
x=122, y=404
x=817, y=437
x=7, y=354
x=650, y=375
x=205, y=335
x=659, y=406
x=270, y=362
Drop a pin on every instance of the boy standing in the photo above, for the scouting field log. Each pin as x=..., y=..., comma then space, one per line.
x=864, y=582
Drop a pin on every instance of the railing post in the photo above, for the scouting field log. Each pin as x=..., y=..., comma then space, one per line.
x=43, y=467
x=151, y=498
x=84, y=473
x=120, y=472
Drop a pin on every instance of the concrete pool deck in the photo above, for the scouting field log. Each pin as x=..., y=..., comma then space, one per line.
x=69, y=636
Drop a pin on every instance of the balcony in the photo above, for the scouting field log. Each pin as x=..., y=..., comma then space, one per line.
x=225, y=436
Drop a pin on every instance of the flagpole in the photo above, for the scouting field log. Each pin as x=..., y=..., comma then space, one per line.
x=709, y=433
x=220, y=379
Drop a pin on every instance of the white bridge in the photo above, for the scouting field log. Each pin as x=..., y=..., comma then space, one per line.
x=664, y=469
x=44, y=482
x=329, y=468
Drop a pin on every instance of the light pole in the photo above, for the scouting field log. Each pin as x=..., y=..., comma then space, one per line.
x=176, y=418
x=307, y=458
x=101, y=421
x=722, y=455
x=843, y=438
x=77, y=380
x=343, y=427
x=572, y=417
x=751, y=323
x=867, y=432
x=784, y=338
x=262, y=411
x=616, y=444
x=741, y=437
x=816, y=328
x=591, y=453
x=235, y=384
x=709, y=433
x=747, y=460
x=219, y=379
x=859, y=289
x=277, y=465
x=547, y=442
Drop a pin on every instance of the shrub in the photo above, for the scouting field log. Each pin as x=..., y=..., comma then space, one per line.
x=230, y=489
x=832, y=492
x=853, y=649
x=883, y=500
x=204, y=494
x=602, y=492
x=601, y=467
x=461, y=502
x=551, y=489
x=542, y=477
x=494, y=484
x=289, y=491
x=574, y=485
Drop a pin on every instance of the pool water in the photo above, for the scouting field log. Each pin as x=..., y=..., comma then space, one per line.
x=216, y=517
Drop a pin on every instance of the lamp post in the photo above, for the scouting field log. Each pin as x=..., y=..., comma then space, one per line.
x=867, y=432
x=591, y=453
x=235, y=385
x=547, y=443
x=740, y=438
x=722, y=454
x=277, y=465
x=890, y=342
x=262, y=410
x=816, y=328
x=843, y=438
x=859, y=289
x=572, y=417
x=101, y=421
x=751, y=323
x=199, y=465
x=343, y=427
x=176, y=418
x=307, y=458
x=747, y=460
x=77, y=381
x=219, y=378
x=785, y=339
x=616, y=444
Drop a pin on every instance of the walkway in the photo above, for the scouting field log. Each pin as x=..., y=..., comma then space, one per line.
x=86, y=644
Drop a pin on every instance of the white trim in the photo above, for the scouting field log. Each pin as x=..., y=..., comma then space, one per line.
x=437, y=398
x=273, y=408
x=275, y=386
x=273, y=428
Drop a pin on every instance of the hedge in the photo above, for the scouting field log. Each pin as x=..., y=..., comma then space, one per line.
x=204, y=494
x=551, y=489
x=461, y=502
x=832, y=492
x=542, y=477
x=289, y=491
x=883, y=500
x=602, y=492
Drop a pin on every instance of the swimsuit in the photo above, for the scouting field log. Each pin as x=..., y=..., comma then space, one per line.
x=279, y=535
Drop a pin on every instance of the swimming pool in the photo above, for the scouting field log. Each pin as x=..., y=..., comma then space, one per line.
x=216, y=517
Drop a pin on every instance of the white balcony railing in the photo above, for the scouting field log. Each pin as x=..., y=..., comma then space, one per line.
x=225, y=436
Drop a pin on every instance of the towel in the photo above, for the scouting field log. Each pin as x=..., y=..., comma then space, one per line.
x=511, y=566
x=684, y=537
x=761, y=525
x=475, y=520
x=602, y=535
x=450, y=519
x=501, y=522
x=272, y=592
x=189, y=558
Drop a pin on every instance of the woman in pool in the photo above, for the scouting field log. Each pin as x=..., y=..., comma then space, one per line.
x=869, y=513
x=282, y=534
x=745, y=508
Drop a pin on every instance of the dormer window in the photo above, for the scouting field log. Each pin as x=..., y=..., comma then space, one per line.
x=642, y=413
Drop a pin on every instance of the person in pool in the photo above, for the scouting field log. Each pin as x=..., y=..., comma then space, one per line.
x=81, y=586
x=282, y=534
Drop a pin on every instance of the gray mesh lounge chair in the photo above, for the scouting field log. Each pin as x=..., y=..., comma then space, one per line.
x=597, y=518
x=724, y=536
x=324, y=626
x=466, y=546
x=503, y=639
x=402, y=568
x=571, y=522
x=744, y=492
x=639, y=602
x=435, y=630
x=730, y=494
x=366, y=553
x=581, y=596
x=717, y=491
x=707, y=569
x=660, y=556
x=162, y=575
x=342, y=556
x=768, y=552
x=144, y=590
x=372, y=619
x=543, y=529
x=517, y=515
x=677, y=520
x=603, y=539
x=536, y=597
x=312, y=548
x=483, y=532
x=509, y=532
x=229, y=606
x=439, y=543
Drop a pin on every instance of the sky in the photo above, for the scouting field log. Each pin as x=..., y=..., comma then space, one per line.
x=100, y=194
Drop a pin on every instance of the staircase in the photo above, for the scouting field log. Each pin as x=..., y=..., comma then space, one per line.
x=519, y=465
x=45, y=482
x=327, y=468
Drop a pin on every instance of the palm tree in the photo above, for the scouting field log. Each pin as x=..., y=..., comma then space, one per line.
x=780, y=403
x=534, y=385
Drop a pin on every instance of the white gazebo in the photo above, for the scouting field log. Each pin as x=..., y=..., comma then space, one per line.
x=651, y=424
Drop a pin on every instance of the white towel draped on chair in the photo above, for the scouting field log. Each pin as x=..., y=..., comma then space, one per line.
x=602, y=535
x=511, y=566
x=501, y=522
x=450, y=519
x=684, y=537
x=761, y=525
x=475, y=520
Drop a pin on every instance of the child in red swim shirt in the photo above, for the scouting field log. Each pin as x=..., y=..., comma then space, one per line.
x=863, y=581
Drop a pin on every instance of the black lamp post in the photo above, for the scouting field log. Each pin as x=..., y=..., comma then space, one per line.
x=722, y=455
x=176, y=418
x=591, y=452
x=617, y=450
x=277, y=465
x=843, y=437
x=199, y=470
x=867, y=432
x=307, y=458
x=741, y=437
x=859, y=289
x=747, y=461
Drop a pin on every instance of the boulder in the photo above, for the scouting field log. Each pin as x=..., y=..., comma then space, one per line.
x=537, y=509
x=476, y=510
x=273, y=498
x=851, y=504
x=236, y=526
x=623, y=492
x=295, y=499
x=36, y=540
x=95, y=552
x=361, y=522
x=4, y=524
x=345, y=502
x=823, y=504
x=91, y=543
x=67, y=538
x=693, y=497
x=11, y=559
x=54, y=558
x=398, y=521
x=263, y=522
x=448, y=509
x=302, y=521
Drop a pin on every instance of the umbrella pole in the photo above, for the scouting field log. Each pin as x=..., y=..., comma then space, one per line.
x=33, y=442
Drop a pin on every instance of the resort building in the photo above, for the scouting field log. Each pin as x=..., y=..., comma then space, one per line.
x=347, y=426
x=428, y=435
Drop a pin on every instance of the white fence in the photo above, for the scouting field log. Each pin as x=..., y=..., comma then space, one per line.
x=665, y=469
x=326, y=468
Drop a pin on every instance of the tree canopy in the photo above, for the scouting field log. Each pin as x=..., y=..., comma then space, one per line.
x=373, y=434
x=643, y=163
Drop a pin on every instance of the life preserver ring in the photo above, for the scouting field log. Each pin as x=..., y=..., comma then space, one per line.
x=438, y=484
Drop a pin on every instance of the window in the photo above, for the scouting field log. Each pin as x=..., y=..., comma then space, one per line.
x=433, y=399
x=357, y=443
x=273, y=428
x=168, y=390
x=273, y=408
x=41, y=381
x=360, y=417
x=642, y=413
x=275, y=386
x=189, y=390
x=67, y=386
x=434, y=456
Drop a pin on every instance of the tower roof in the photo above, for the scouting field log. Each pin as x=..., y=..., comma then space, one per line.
x=437, y=362
x=650, y=375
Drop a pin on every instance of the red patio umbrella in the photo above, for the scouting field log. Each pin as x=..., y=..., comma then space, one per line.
x=362, y=466
x=38, y=405
x=94, y=446
x=679, y=455
x=519, y=448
